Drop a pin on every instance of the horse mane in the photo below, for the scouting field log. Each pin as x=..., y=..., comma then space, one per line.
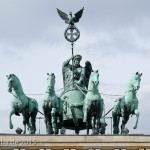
x=15, y=77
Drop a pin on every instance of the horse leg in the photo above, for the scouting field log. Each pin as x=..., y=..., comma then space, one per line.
x=10, y=121
x=125, y=119
x=87, y=127
x=47, y=125
x=102, y=128
x=25, y=120
x=93, y=122
x=28, y=123
x=116, y=119
x=88, y=124
x=61, y=122
x=117, y=123
x=103, y=124
x=33, y=121
x=77, y=130
x=47, y=119
x=94, y=126
x=97, y=125
x=49, y=129
x=47, y=122
x=56, y=121
x=85, y=115
x=136, y=112
x=53, y=120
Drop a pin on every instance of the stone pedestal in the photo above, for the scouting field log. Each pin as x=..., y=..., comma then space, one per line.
x=107, y=142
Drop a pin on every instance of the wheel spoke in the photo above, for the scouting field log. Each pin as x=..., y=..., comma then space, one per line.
x=72, y=34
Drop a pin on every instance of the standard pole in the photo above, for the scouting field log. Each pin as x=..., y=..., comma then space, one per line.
x=39, y=125
x=72, y=64
x=111, y=124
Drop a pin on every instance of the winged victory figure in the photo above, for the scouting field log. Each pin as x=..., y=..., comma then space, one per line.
x=70, y=19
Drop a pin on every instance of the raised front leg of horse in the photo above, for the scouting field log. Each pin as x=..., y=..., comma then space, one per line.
x=136, y=112
x=10, y=120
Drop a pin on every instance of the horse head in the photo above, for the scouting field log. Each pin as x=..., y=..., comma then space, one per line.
x=94, y=78
x=51, y=81
x=135, y=80
x=11, y=80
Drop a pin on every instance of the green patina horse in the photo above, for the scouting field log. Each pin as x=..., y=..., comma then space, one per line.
x=93, y=106
x=20, y=103
x=52, y=107
x=127, y=105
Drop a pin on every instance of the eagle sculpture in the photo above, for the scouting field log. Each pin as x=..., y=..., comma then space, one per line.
x=70, y=20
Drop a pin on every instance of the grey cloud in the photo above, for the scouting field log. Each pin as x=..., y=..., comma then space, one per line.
x=26, y=22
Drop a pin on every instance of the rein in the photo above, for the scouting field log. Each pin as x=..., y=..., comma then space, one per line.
x=130, y=90
x=99, y=92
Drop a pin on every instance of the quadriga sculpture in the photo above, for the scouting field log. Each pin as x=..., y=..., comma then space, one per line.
x=127, y=105
x=93, y=106
x=20, y=103
x=52, y=107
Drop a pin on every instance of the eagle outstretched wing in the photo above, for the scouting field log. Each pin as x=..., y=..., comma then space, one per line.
x=63, y=15
x=78, y=15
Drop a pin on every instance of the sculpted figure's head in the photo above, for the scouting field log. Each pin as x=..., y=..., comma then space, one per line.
x=77, y=60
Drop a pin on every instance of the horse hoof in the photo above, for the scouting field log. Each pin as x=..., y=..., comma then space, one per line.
x=134, y=126
x=94, y=131
x=11, y=126
x=102, y=130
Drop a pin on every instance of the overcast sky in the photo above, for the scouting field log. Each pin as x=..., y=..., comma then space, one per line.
x=115, y=37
